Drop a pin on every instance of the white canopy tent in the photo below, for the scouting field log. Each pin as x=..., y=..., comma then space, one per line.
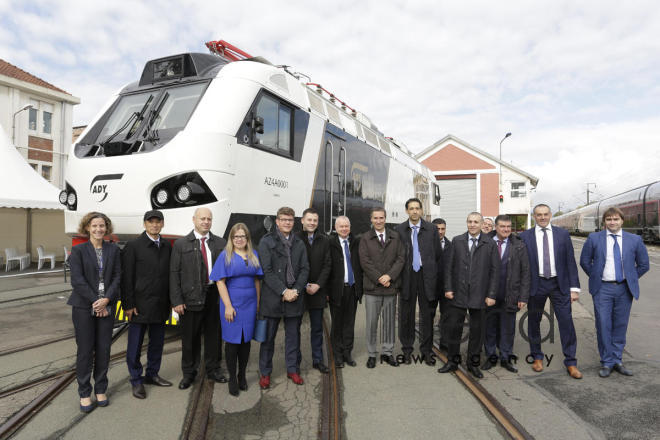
x=20, y=185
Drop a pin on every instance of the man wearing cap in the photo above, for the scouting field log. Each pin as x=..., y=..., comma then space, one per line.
x=145, y=300
x=195, y=298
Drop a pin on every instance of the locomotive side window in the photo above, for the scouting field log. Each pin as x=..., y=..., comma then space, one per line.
x=277, y=124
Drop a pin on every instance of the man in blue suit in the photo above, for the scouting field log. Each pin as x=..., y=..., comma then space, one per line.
x=614, y=261
x=554, y=275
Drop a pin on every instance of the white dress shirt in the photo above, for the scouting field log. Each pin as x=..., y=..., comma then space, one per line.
x=412, y=233
x=209, y=257
x=609, y=272
x=505, y=242
x=539, y=249
x=472, y=243
x=378, y=234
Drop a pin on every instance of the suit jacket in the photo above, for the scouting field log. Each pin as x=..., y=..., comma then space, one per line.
x=318, y=255
x=517, y=274
x=336, y=282
x=567, y=275
x=634, y=255
x=85, y=274
x=430, y=252
x=377, y=260
x=187, y=270
x=272, y=256
x=472, y=286
x=145, y=279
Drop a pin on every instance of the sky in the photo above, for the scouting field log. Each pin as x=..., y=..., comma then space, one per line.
x=576, y=83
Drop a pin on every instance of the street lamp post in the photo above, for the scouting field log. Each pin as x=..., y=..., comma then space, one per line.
x=505, y=136
x=13, y=125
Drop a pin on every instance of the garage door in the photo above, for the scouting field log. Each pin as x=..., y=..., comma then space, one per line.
x=458, y=199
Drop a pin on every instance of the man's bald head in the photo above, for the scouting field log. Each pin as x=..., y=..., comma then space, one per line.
x=203, y=220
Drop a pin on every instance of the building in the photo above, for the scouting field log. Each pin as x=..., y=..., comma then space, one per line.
x=38, y=117
x=469, y=180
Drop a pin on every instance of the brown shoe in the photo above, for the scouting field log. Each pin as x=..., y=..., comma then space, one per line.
x=574, y=372
x=537, y=365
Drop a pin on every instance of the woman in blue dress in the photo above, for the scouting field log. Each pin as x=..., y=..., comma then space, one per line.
x=237, y=273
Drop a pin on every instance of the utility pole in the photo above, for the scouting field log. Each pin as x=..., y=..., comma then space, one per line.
x=589, y=183
x=559, y=206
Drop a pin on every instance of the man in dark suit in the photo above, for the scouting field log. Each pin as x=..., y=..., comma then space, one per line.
x=471, y=279
x=614, y=260
x=421, y=272
x=195, y=298
x=345, y=290
x=512, y=295
x=553, y=275
x=445, y=245
x=146, y=301
x=286, y=271
x=318, y=255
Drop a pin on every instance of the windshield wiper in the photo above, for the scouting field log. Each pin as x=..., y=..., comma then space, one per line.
x=149, y=134
x=139, y=115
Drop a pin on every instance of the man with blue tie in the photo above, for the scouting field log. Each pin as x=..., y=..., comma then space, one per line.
x=614, y=260
x=553, y=275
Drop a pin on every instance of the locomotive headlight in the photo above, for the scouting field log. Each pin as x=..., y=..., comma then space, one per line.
x=162, y=196
x=63, y=197
x=71, y=199
x=183, y=193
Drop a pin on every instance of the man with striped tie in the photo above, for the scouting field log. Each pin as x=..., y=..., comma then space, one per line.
x=614, y=260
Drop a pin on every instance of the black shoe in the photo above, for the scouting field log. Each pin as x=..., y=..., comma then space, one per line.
x=429, y=359
x=619, y=368
x=87, y=408
x=218, y=377
x=604, y=371
x=476, y=372
x=371, y=362
x=448, y=367
x=157, y=380
x=185, y=383
x=407, y=358
x=321, y=367
x=139, y=392
x=339, y=364
x=350, y=361
x=242, y=382
x=233, y=386
x=488, y=364
x=507, y=366
x=389, y=359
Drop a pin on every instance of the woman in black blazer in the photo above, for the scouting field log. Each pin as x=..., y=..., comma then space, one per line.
x=95, y=278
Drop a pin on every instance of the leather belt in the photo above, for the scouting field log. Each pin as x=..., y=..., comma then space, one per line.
x=614, y=282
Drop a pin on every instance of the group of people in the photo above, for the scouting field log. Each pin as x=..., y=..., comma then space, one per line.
x=221, y=289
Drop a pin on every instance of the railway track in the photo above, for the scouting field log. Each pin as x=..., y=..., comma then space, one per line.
x=61, y=380
x=36, y=344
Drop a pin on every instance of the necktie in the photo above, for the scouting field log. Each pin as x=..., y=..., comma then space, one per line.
x=618, y=267
x=382, y=242
x=547, y=272
x=499, y=247
x=311, y=239
x=442, y=244
x=157, y=243
x=206, y=263
x=349, y=267
x=417, y=258
x=473, y=247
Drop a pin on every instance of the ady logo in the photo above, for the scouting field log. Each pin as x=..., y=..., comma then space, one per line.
x=99, y=186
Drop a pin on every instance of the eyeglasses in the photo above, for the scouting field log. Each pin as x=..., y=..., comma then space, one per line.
x=285, y=220
x=239, y=237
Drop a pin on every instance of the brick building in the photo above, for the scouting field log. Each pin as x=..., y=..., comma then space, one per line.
x=469, y=180
x=42, y=132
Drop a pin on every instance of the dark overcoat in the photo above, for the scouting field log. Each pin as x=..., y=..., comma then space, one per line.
x=337, y=273
x=431, y=256
x=472, y=280
x=145, y=279
x=85, y=274
x=272, y=256
x=188, y=272
x=377, y=260
x=318, y=255
x=517, y=274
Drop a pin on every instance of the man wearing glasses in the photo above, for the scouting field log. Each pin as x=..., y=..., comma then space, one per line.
x=286, y=269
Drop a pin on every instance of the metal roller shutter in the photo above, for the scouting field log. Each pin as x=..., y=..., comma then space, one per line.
x=458, y=199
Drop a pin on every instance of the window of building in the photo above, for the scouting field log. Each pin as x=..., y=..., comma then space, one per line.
x=518, y=190
x=46, y=171
x=33, y=117
x=41, y=118
x=35, y=167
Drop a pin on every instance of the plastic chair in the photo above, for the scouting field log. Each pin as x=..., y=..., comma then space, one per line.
x=66, y=262
x=12, y=256
x=43, y=257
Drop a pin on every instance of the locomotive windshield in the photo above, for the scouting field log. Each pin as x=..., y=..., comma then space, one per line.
x=142, y=122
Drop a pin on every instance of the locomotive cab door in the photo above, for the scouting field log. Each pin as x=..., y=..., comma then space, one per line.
x=334, y=203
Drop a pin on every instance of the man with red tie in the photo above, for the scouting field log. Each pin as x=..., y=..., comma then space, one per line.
x=553, y=275
x=195, y=298
x=614, y=260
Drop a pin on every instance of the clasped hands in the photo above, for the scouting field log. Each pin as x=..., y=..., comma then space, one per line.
x=290, y=295
x=99, y=307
